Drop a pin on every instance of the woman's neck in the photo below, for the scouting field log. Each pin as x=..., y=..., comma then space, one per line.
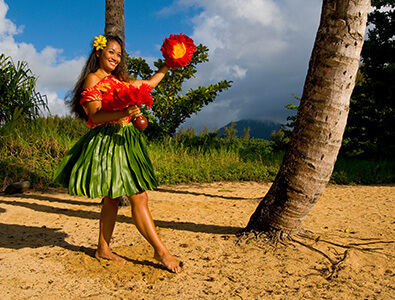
x=102, y=73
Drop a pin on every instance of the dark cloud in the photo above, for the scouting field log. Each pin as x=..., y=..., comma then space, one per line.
x=263, y=47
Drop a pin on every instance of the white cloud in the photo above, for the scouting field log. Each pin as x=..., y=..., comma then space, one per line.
x=263, y=46
x=53, y=73
x=6, y=26
x=56, y=105
x=262, y=12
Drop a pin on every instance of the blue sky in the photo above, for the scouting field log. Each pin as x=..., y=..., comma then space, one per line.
x=263, y=46
x=70, y=25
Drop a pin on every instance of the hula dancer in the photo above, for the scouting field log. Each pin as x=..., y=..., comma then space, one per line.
x=111, y=160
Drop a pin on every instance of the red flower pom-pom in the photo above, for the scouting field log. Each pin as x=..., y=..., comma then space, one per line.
x=178, y=50
x=143, y=95
x=126, y=96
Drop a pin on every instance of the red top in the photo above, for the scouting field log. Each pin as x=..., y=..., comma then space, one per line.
x=115, y=95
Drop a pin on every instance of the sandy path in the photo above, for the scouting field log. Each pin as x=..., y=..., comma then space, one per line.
x=47, y=241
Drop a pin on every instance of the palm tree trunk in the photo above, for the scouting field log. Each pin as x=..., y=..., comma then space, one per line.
x=115, y=18
x=321, y=119
x=115, y=23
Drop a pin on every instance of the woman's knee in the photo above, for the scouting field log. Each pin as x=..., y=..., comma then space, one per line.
x=110, y=201
x=139, y=199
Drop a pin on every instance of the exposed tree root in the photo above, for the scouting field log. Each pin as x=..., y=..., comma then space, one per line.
x=334, y=267
x=273, y=238
x=356, y=246
x=263, y=238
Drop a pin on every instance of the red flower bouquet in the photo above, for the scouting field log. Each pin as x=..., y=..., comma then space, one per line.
x=178, y=50
x=125, y=96
x=131, y=95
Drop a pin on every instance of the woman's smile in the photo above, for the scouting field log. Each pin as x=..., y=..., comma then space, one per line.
x=113, y=62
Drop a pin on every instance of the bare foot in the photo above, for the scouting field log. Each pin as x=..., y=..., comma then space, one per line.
x=109, y=255
x=168, y=261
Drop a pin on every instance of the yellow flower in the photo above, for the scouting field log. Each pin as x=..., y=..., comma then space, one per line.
x=100, y=42
x=179, y=50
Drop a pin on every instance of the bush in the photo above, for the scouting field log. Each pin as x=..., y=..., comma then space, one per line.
x=357, y=171
x=32, y=150
x=18, y=96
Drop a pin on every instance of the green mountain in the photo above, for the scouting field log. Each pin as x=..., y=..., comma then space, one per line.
x=258, y=129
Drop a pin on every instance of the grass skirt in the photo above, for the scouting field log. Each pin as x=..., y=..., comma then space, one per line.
x=110, y=160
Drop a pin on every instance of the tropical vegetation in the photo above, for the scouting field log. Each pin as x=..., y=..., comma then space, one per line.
x=171, y=106
x=18, y=95
x=32, y=150
x=370, y=129
x=31, y=145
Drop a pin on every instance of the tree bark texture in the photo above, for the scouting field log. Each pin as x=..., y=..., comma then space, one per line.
x=115, y=25
x=321, y=120
x=115, y=18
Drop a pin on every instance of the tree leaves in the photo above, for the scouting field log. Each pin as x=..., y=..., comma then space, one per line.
x=18, y=95
x=171, y=106
x=369, y=131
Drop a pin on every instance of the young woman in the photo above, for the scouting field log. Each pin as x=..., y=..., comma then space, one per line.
x=111, y=161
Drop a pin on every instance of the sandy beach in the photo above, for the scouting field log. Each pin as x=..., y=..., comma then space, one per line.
x=47, y=244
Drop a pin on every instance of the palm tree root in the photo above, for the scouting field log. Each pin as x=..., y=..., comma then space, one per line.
x=274, y=238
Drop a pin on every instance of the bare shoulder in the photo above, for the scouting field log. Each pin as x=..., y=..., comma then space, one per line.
x=91, y=80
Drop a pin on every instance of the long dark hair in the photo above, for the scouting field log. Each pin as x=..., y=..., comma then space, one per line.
x=92, y=64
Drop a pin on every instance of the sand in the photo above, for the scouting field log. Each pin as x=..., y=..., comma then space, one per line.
x=47, y=243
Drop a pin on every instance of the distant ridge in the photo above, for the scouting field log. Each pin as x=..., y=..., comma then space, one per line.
x=258, y=129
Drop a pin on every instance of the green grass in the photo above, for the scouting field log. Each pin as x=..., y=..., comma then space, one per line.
x=31, y=151
x=179, y=165
x=358, y=171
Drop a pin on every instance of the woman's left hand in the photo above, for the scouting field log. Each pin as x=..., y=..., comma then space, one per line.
x=133, y=111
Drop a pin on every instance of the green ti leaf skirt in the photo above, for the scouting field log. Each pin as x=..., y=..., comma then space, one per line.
x=110, y=160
